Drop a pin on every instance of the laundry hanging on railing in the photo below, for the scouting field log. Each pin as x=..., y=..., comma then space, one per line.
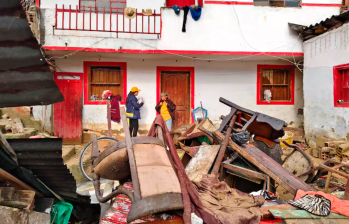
x=195, y=11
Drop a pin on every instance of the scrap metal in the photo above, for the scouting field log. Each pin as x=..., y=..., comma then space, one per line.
x=44, y=158
x=26, y=78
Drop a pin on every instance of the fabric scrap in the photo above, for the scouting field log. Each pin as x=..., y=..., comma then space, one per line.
x=176, y=9
x=186, y=10
x=191, y=201
x=314, y=204
x=337, y=205
x=229, y=205
x=115, y=109
x=195, y=12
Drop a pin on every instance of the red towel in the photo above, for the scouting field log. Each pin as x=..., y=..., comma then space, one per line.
x=115, y=109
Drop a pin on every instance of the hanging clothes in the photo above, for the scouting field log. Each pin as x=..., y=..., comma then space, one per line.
x=176, y=9
x=195, y=12
x=115, y=109
x=186, y=10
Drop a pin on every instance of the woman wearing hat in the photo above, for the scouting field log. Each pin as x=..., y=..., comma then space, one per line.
x=167, y=110
x=132, y=110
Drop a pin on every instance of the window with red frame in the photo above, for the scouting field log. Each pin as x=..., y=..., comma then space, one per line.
x=104, y=78
x=106, y=5
x=182, y=3
x=279, y=80
x=341, y=86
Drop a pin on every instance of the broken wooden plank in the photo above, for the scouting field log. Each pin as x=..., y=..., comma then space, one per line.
x=12, y=197
x=302, y=214
x=16, y=183
x=201, y=163
x=269, y=166
x=266, y=214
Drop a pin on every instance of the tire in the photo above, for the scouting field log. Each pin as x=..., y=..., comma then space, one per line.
x=81, y=161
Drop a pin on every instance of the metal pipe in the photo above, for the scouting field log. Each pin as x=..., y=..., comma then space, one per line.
x=154, y=20
x=90, y=18
x=76, y=19
x=101, y=199
x=69, y=17
x=97, y=18
x=63, y=17
x=83, y=18
x=56, y=17
x=103, y=18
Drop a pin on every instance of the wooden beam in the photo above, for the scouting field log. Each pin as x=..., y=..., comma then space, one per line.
x=329, y=169
x=131, y=157
x=16, y=183
x=269, y=166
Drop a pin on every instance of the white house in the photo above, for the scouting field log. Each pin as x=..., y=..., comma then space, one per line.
x=236, y=49
x=326, y=79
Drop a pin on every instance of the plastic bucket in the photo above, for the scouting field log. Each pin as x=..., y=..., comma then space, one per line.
x=288, y=137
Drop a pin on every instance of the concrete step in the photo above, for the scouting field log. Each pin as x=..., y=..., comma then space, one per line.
x=73, y=163
x=68, y=151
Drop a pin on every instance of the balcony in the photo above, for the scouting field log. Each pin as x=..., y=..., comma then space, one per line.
x=94, y=20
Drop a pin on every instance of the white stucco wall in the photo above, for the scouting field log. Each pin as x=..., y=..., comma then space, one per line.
x=321, y=118
x=236, y=81
x=220, y=28
x=44, y=114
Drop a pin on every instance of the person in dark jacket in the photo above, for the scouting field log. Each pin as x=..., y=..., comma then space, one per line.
x=132, y=110
x=167, y=110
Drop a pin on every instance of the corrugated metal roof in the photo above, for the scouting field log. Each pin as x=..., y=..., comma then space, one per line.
x=44, y=158
x=26, y=78
x=322, y=27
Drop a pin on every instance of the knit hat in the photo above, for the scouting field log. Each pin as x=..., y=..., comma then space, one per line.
x=195, y=13
x=177, y=9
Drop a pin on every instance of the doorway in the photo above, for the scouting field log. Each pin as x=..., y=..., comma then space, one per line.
x=68, y=114
x=178, y=84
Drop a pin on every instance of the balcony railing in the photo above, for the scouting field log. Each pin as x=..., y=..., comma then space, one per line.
x=106, y=20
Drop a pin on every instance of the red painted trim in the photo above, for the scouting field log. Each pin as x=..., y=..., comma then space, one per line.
x=136, y=51
x=321, y=5
x=251, y=3
x=123, y=66
x=191, y=70
x=337, y=82
x=37, y=3
x=259, y=69
x=228, y=3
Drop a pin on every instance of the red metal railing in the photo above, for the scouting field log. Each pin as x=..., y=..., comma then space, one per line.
x=109, y=20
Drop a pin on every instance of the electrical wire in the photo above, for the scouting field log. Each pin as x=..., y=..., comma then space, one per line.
x=71, y=54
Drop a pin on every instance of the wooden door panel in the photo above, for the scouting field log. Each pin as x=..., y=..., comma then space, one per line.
x=68, y=114
x=176, y=84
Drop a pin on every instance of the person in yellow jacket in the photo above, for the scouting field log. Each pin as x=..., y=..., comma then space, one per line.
x=167, y=110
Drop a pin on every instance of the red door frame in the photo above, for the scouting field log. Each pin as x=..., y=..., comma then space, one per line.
x=56, y=74
x=337, y=85
x=192, y=84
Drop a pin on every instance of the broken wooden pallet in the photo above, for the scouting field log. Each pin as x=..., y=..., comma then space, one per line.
x=269, y=166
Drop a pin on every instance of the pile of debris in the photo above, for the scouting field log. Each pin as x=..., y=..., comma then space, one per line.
x=20, y=125
x=227, y=175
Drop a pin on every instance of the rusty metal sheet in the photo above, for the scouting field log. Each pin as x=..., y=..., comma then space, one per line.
x=44, y=158
x=26, y=78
